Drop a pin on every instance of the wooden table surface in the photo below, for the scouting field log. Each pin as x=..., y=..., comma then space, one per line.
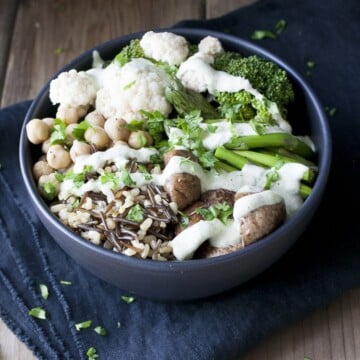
x=37, y=37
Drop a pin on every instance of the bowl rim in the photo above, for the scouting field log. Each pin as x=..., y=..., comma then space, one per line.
x=310, y=204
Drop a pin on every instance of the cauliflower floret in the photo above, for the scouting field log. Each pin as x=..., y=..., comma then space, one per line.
x=165, y=46
x=138, y=85
x=210, y=46
x=73, y=89
x=188, y=73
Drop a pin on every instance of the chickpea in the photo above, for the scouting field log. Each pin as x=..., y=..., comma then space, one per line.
x=49, y=121
x=139, y=139
x=95, y=118
x=116, y=129
x=82, y=110
x=37, y=131
x=79, y=148
x=97, y=136
x=45, y=146
x=67, y=114
x=40, y=168
x=57, y=157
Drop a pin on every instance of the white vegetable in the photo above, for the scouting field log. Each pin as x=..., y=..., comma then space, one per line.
x=73, y=88
x=210, y=46
x=165, y=46
x=138, y=85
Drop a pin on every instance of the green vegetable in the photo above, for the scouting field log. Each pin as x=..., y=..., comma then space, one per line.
x=100, y=330
x=131, y=51
x=262, y=34
x=49, y=190
x=44, y=291
x=331, y=111
x=221, y=211
x=136, y=213
x=83, y=325
x=184, y=219
x=145, y=171
x=38, y=313
x=280, y=26
x=129, y=85
x=125, y=177
x=128, y=299
x=58, y=135
x=231, y=157
x=285, y=140
x=91, y=354
x=186, y=101
x=79, y=131
x=63, y=282
x=310, y=64
x=155, y=126
x=265, y=76
x=113, y=178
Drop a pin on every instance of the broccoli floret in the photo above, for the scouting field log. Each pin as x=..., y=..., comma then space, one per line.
x=131, y=51
x=265, y=76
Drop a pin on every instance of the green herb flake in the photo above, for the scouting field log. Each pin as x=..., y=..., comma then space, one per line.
x=331, y=111
x=59, y=50
x=184, y=219
x=79, y=131
x=129, y=85
x=49, y=190
x=125, y=178
x=38, y=313
x=310, y=64
x=91, y=354
x=128, y=299
x=58, y=135
x=262, y=34
x=221, y=211
x=109, y=177
x=136, y=214
x=280, y=26
x=77, y=178
x=44, y=291
x=63, y=282
x=83, y=325
x=145, y=171
x=100, y=330
x=211, y=128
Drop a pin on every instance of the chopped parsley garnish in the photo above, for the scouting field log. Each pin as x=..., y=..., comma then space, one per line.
x=310, y=64
x=58, y=135
x=269, y=34
x=100, y=330
x=113, y=178
x=44, y=291
x=38, y=313
x=155, y=126
x=145, y=171
x=79, y=131
x=129, y=85
x=211, y=128
x=184, y=219
x=217, y=211
x=136, y=213
x=83, y=325
x=128, y=299
x=91, y=354
x=331, y=111
x=271, y=177
x=125, y=177
x=49, y=190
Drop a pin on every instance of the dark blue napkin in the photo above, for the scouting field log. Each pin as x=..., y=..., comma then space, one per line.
x=322, y=265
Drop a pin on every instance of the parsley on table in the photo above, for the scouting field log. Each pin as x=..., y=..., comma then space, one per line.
x=38, y=313
x=44, y=291
x=63, y=282
x=100, y=330
x=91, y=354
x=128, y=299
x=83, y=325
x=270, y=34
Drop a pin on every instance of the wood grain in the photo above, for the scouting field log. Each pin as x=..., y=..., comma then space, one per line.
x=35, y=29
x=7, y=17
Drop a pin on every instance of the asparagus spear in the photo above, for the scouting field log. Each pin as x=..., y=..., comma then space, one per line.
x=288, y=141
x=185, y=101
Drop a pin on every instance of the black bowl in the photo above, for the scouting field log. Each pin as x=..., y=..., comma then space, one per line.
x=191, y=279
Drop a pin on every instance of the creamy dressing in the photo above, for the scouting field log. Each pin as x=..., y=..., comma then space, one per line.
x=119, y=155
x=188, y=241
x=251, y=202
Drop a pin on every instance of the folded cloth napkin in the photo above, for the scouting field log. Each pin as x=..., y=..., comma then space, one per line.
x=323, y=264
